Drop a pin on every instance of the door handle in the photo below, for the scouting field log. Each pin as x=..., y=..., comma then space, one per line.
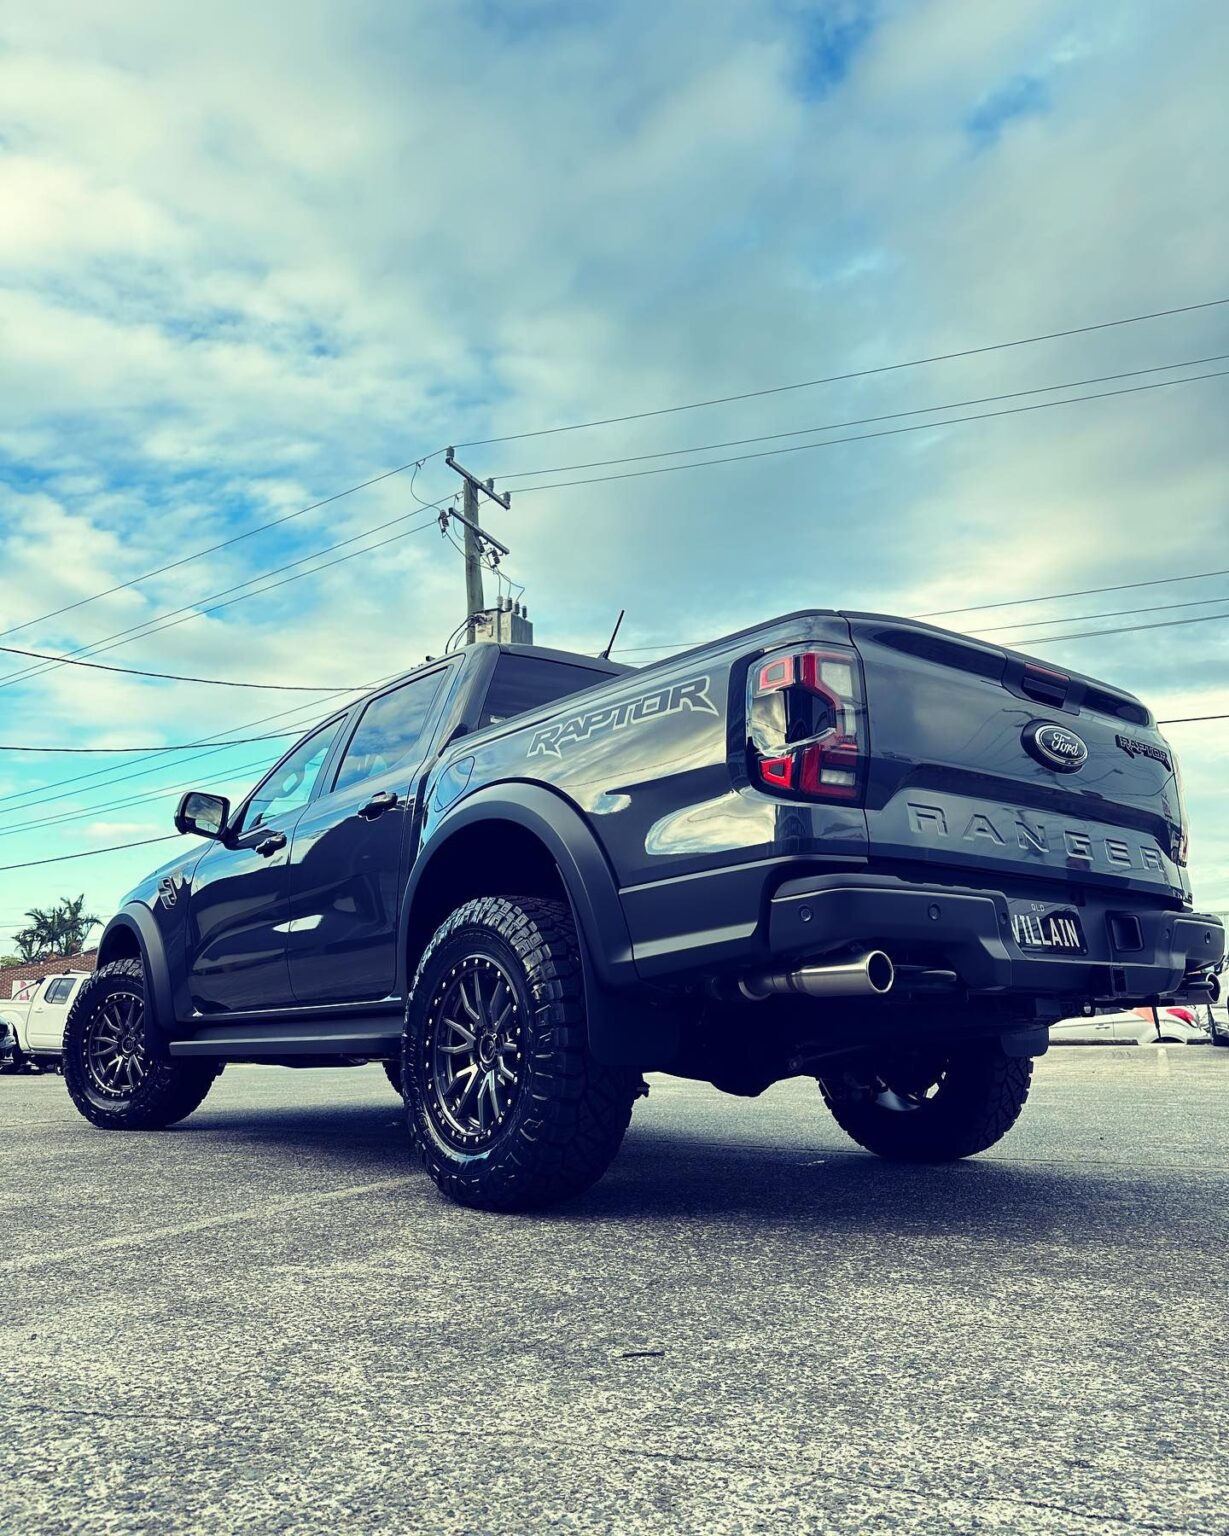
x=271, y=844
x=383, y=801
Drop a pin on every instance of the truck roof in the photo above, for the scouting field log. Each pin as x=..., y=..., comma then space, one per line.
x=547, y=653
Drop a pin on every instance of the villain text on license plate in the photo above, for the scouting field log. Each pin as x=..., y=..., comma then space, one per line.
x=1054, y=932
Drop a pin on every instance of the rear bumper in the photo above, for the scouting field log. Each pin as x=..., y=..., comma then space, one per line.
x=1148, y=957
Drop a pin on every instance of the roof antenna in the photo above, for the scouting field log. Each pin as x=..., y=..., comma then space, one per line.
x=605, y=655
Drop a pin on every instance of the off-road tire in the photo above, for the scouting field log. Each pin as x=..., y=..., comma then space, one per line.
x=978, y=1099
x=168, y=1090
x=392, y=1071
x=568, y=1113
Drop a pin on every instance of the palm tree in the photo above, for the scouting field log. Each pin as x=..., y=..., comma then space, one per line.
x=42, y=933
x=59, y=930
x=74, y=923
x=27, y=944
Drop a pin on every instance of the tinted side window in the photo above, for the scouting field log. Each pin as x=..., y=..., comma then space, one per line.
x=59, y=990
x=389, y=733
x=290, y=784
x=523, y=682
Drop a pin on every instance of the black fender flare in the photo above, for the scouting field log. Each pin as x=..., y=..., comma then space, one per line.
x=624, y=1025
x=587, y=877
x=139, y=921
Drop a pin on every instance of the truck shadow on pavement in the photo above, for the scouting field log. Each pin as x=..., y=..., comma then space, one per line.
x=672, y=1175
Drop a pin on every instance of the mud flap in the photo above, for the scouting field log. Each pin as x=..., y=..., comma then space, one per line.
x=1034, y=1041
x=630, y=1028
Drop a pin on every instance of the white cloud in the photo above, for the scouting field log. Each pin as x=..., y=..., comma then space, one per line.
x=254, y=260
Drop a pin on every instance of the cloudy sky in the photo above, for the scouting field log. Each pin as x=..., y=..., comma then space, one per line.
x=251, y=256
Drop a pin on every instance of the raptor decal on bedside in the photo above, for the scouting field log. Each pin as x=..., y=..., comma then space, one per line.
x=672, y=700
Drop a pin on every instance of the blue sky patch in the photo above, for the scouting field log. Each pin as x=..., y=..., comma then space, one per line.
x=830, y=41
x=1021, y=96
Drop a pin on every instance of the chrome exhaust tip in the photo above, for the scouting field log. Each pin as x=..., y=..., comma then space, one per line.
x=869, y=975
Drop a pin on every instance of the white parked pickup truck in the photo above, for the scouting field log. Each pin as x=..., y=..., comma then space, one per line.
x=37, y=1023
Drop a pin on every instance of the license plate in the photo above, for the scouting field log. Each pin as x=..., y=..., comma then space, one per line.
x=1048, y=931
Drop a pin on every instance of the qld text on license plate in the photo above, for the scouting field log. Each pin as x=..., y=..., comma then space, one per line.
x=1051, y=931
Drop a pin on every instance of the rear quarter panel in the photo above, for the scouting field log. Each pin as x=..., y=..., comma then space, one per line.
x=655, y=761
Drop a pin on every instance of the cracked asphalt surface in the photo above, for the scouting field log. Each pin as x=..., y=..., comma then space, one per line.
x=267, y=1319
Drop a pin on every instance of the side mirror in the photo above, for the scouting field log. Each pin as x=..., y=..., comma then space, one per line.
x=203, y=814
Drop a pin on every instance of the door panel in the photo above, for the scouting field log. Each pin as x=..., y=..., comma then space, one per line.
x=346, y=862
x=240, y=911
x=344, y=884
x=239, y=899
x=48, y=1015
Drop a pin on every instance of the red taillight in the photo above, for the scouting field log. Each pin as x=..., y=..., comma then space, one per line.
x=807, y=723
x=1182, y=843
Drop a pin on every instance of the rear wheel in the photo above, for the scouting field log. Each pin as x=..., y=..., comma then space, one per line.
x=930, y=1106
x=392, y=1070
x=111, y=1076
x=506, y=1103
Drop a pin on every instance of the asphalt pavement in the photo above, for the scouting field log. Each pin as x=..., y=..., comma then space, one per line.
x=268, y=1320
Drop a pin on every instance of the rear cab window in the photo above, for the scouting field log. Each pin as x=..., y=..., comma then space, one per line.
x=521, y=683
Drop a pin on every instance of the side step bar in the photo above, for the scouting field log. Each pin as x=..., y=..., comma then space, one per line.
x=358, y=1035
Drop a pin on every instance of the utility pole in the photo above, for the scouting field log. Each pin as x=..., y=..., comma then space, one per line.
x=475, y=539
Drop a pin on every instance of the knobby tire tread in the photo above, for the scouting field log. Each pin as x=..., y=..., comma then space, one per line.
x=574, y=1111
x=171, y=1089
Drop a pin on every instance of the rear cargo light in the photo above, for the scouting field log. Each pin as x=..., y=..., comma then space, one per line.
x=807, y=723
x=1044, y=685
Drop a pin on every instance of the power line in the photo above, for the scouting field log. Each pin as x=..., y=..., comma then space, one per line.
x=225, y=544
x=312, y=711
x=83, y=812
x=179, y=746
x=860, y=421
x=1112, y=613
x=1192, y=719
x=43, y=798
x=1053, y=597
x=195, y=610
x=1128, y=629
x=838, y=378
x=417, y=464
x=89, y=853
x=107, y=775
x=170, y=677
x=1069, y=618
x=861, y=437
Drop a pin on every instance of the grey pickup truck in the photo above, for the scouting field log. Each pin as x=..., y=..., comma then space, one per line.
x=835, y=845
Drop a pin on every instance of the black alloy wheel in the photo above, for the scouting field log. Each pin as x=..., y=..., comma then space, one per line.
x=508, y=1106
x=112, y=1076
x=115, y=1059
x=474, y=1037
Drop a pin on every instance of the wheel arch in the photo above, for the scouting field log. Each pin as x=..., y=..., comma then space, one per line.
x=472, y=853
x=132, y=934
x=522, y=839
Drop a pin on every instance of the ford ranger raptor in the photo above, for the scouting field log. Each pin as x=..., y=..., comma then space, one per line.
x=836, y=845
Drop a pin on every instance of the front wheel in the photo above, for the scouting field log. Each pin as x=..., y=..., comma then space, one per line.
x=930, y=1106
x=111, y=1076
x=508, y=1106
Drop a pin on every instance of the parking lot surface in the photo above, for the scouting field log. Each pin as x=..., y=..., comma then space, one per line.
x=267, y=1319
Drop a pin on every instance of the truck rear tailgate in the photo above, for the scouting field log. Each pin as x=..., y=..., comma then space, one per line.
x=983, y=759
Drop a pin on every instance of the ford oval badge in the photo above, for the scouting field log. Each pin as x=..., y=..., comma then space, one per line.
x=1054, y=746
